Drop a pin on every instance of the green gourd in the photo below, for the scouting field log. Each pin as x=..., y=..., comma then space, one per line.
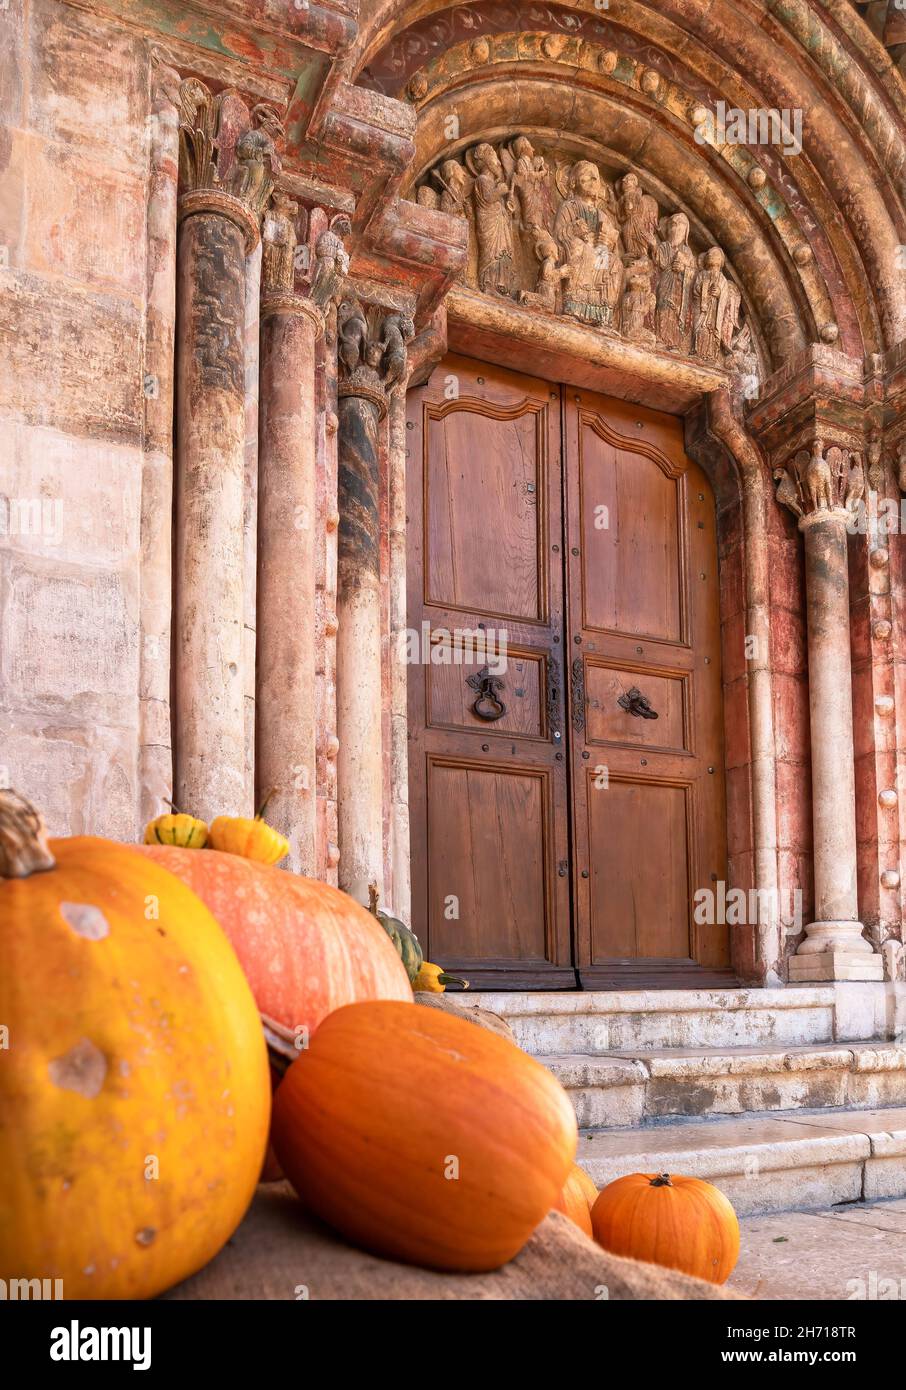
x=405, y=941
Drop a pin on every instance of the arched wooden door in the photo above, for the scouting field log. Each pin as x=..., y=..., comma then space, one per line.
x=565, y=732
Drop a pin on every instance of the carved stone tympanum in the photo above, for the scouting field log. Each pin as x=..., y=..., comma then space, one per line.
x=560, y=236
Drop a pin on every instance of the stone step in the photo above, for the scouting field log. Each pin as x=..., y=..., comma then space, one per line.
x=604, y=1021
x=632, y=1087
x=778, y=1162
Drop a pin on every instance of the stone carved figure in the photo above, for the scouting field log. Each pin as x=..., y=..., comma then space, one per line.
x=716, y=311
x=819, y=482
x=529, y=188
x=494, y=208
x=372, y=350
x=638, y=304
x=855, y=484
x=788, y=492
x=331, y=265
x=550, y=278
x=588, y=237
x=564, y=238
x=352, y=332
x=638, y=214
x=398, y=330
x=875, y=462
x=251, y=177
x=278, y=243
x=456, y=188
x=676, y=268
x=743, y=360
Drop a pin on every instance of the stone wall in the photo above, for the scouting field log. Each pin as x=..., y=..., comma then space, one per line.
x=73, y=185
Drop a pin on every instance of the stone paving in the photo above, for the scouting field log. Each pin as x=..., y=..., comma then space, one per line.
x=851, y=1251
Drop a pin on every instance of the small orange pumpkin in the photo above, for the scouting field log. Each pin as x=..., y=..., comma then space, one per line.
x=682, y=1223
x=577, y=1197
x=421, y=1137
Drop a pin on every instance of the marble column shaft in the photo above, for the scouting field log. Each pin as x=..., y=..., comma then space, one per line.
x=359, y=763
x=286, y=649
x=216, y=233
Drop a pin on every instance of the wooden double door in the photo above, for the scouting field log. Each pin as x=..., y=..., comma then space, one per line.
x=565, y=721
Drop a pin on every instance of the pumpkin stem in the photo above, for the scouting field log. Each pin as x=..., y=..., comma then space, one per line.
x=373, y=899
x=662, y=1180
x=263, y=807
x=23, y=838
x=445, y=979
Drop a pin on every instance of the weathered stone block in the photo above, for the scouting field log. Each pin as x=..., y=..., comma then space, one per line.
x=69, y=499
x=70, y=643
x=87, y=83
x=72, y=359
x=84, y=220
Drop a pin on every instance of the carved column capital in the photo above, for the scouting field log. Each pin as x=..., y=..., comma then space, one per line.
x=228, y=155
x=303, y=269
x=821, y=482
x=372, y=352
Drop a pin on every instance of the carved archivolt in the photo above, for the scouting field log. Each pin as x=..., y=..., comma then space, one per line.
x=563, y=238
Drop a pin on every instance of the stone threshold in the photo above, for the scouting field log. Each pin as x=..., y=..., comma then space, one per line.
x=766, y=1162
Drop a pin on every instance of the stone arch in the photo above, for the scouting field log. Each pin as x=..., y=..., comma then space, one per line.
x=823, y=228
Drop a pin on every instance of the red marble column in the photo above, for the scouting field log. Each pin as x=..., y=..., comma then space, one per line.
x=286, y=658
x=360, y=761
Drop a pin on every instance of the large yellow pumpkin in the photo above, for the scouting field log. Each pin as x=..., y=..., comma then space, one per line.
x=134, y=1090
x=421, y=1137
x=683, y=1223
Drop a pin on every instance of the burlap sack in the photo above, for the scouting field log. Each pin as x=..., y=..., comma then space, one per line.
x=483, y=1017
x=280, y=1251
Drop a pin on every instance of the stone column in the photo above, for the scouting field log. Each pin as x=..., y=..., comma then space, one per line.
x=401, y=901
x=286, y=656
x=155, y=752
x=226, y=176
x=372, y=360
x=819, y=489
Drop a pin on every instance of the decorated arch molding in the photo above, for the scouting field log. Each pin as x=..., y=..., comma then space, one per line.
x=811, y=235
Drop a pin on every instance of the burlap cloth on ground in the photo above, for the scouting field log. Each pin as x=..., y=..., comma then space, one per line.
x=279, y=1248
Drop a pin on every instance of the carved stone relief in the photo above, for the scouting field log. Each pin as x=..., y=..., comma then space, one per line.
x=821, y=480
x=225, y=147
x=371, y=351
x=561, y=237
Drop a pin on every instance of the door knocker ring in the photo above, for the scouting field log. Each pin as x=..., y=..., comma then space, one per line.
x=487, y=705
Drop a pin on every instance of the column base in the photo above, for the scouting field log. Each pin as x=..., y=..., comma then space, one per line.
x=821, y=966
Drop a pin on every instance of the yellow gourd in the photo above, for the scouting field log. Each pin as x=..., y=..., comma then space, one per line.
x=187, y=832
x=251, y=838
x=433, y=979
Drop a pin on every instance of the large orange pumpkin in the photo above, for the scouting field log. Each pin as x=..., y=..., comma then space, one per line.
x=306, y=948
x=423, y=1138
x=134, y=1093
x=577, y=1197
x=683, y=1223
